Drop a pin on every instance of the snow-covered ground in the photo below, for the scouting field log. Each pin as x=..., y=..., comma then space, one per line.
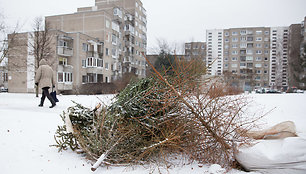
x=26, y=131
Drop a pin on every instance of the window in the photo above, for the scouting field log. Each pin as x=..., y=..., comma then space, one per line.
x=68, y=77
x=99, y=63
x=60, y=77
x=234, y=65
x=234, y=39
x=84, y=63
x=188, y=46
x=242, y=64
x=92, y=78
x=258, y=38
x=249, y=38
x=107, y=23
x=243, y=32
x=258, y=58
x=62, y=43
x=234, y=46
x=242, y=58
x=5, y=77
x=84, y=79
x=234, y=58
x=118, y=12
x=258, y=65
x=64, y=77
x=114, y=53
x=243, y=38
x=243, y=45
x=234, y=52
x=249, y=58
x=258, y=52
x=106, y=52
x=115, y=26
x=257, y=78
x=91, y=62
x=62, y=61
x=107, y=37
x=114, y=39
x=234, y=33
x=249, y=51
x=226, y=33
x=258, y=45
x=106, y=66
x=85, y=47
x=258, y=32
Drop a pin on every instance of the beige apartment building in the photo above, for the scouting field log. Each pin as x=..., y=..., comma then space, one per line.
x=94, y=45
x=195, y=50
x=120, y=24
x=241, y=53
x=76, y=59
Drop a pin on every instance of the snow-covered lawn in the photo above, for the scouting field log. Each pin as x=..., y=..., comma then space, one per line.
x=26, y=131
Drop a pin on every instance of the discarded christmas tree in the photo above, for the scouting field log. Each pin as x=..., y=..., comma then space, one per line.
x=181, y=112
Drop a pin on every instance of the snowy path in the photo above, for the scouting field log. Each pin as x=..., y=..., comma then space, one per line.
x=26, y=131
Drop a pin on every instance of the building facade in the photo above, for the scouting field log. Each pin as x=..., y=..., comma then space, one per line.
x=120, y=24
x=214, y=51
x=195, y=50
x=76, y=59
x=94, y=45
x=3, y=67
x=297, y=55
x=279, y=58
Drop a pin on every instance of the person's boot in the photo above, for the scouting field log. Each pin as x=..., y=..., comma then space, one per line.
x=41, y=102
x=52, y=106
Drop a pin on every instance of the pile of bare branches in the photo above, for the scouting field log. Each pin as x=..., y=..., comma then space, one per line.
x=182, y=112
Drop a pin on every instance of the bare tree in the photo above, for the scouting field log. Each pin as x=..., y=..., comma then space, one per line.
x=6, y=43
x=42, y=42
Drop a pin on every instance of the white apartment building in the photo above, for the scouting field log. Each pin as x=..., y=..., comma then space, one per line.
x=214, y=51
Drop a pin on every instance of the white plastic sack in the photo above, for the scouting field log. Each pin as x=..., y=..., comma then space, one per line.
x=280, y=156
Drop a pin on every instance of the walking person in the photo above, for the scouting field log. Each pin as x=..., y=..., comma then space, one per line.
x=45, y=79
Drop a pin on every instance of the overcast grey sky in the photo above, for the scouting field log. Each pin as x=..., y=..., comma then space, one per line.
x=176, y=21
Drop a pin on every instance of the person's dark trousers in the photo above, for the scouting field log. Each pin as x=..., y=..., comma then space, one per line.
x=45, y=93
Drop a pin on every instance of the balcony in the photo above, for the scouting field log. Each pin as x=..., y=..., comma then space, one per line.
x=65, y=68
x=64, y=51
x=94, y=54
x=129, y=32
x=64, y=86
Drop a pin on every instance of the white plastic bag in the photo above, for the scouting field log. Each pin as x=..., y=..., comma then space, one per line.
x=280, y=156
